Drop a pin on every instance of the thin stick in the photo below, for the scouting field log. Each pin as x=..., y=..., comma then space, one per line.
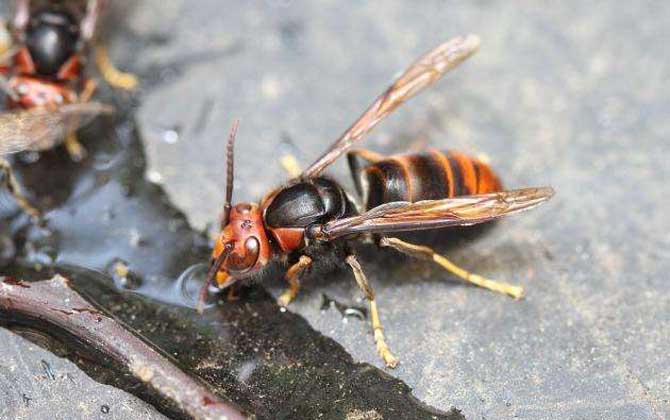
x=54, y=302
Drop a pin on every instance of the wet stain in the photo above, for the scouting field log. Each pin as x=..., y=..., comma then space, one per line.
x=347, y=311
x=267, y=361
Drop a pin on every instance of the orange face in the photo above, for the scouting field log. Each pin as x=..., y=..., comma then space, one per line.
x=245, y=238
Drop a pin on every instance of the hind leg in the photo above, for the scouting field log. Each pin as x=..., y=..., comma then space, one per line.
x=15, y=190
x=426, y=253
x=378, y=330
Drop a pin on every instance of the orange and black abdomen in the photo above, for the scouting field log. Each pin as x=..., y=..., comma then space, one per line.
x=433, y=175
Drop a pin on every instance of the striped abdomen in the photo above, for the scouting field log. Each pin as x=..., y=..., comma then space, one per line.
x=432, y=175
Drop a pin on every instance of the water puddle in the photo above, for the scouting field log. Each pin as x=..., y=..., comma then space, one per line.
x=131, y=252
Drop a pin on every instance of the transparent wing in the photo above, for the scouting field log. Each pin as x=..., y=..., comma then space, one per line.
x=423, y=73
x=434, y=214
x=40, y=128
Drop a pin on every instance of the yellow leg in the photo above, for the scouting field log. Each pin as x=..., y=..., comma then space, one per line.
x=89, y=90
x=74, y=148
x=15, y=190
x=425, y=252
x=382, y=348
x=76, y=151
x=5, y=41
x=290, y=165
x=293, y=283
x=111, y=74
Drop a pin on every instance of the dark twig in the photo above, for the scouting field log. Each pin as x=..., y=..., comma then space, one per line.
x=55, y=302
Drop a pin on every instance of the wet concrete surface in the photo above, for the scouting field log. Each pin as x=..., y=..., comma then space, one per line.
x=573, y=95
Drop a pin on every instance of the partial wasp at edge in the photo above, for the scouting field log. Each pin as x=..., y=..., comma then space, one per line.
x=312, y=218
x=43, y=57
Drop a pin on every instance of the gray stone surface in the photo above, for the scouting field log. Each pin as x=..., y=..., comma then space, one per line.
x=572, y=94
x=36, y=384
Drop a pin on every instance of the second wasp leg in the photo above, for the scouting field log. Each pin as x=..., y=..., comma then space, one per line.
x=382, y=348
x=424, y=252
x=5, y=42
x=74, y=148
x=89, y=89
x=15, y=190
x=293, y=282
x=113, y=76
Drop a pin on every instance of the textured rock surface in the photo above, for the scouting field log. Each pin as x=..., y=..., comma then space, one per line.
x=36, y=384
x=573, y=95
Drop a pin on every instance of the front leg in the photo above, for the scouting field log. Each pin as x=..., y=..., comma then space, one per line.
x=292, y=277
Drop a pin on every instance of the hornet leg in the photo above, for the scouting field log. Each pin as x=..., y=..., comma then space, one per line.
x=113, y=76
x=290, y=165
x=426, y=253
x=74, y=148
x=15, y=190
x=5, y=42
x=293, y=283
x=362, y=281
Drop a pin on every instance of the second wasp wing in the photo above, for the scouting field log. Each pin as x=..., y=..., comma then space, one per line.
x=43, y=128
x=435, y=214
x=422, y=73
